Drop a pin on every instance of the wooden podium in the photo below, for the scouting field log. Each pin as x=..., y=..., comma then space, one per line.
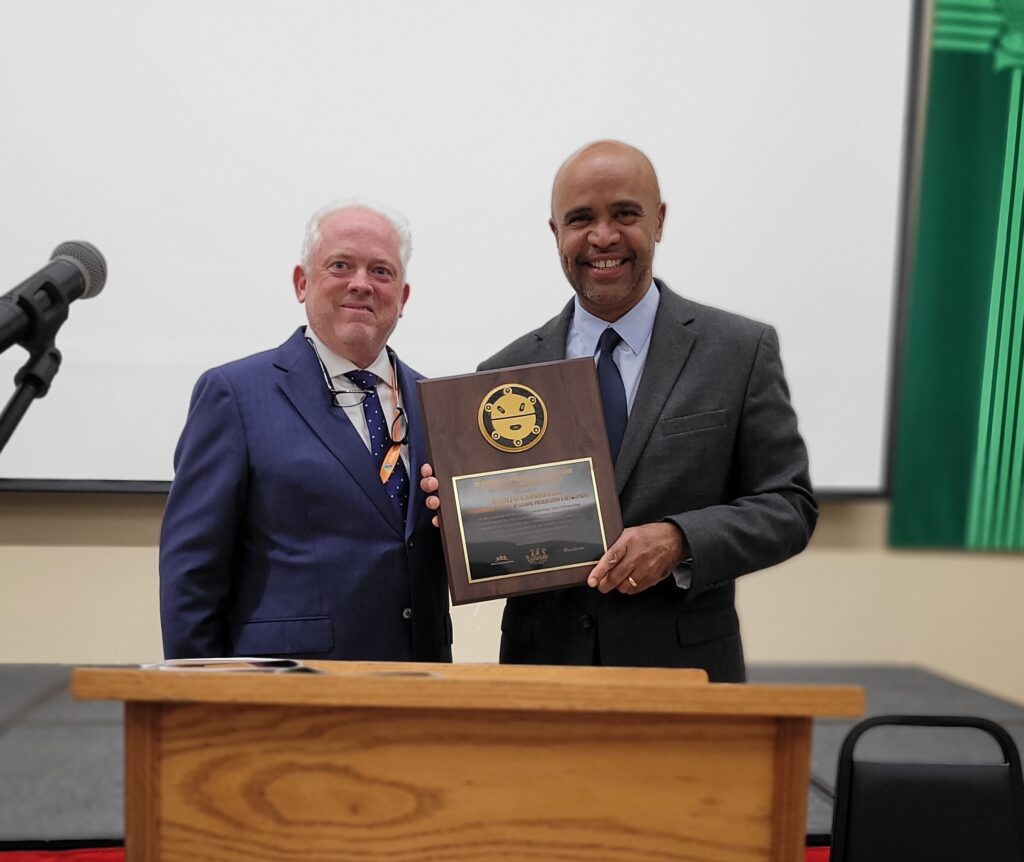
x=415, y=762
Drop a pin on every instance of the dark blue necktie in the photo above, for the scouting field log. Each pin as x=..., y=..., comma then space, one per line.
x=613, y=393
x=397, y=484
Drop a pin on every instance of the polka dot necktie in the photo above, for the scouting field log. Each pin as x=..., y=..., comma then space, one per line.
x=397, y=484
x=613, y=393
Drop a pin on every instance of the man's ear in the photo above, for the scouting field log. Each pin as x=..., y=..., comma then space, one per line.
x=299, y=280
x=554, y=228
x=662, y=209
x=405, y=298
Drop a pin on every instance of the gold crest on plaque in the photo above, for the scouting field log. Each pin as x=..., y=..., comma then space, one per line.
x=537, y=556
x=512, y=417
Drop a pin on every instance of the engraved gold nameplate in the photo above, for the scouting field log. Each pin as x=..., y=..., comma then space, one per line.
x=529, y=520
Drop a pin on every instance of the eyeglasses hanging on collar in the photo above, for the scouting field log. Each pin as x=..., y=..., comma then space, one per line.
x=345, y=398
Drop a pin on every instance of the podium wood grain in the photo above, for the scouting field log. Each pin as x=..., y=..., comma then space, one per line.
x=663, y=767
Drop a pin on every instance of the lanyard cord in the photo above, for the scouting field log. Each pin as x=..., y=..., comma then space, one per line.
x=395, y=450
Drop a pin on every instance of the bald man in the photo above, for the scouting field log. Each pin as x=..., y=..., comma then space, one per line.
x=711, y=470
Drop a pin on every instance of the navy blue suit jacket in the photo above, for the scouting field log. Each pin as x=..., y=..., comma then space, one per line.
x=279, y=539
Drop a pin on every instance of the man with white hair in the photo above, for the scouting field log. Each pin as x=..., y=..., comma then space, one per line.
x=292, y=528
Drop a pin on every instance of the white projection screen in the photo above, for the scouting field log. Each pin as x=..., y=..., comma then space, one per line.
x=190, y=141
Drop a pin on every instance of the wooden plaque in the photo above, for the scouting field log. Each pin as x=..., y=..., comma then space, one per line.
x=527, y=487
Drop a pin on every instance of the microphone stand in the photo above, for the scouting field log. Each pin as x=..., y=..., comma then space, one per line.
x=35, y=376
x=33, y=381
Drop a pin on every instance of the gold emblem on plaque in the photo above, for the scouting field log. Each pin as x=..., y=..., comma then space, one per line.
x=537, y=556
x=512, y=417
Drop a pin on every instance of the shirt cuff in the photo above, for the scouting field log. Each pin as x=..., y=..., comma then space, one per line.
x=683, y=574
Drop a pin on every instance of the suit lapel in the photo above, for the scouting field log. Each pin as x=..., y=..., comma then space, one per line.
x=551, y=337
x=417, y=442
x=303, y=384
x=671, y=343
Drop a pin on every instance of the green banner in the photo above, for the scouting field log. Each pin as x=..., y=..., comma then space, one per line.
x=958, y=448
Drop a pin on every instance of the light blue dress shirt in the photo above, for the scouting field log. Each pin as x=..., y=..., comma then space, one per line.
x=635, y=328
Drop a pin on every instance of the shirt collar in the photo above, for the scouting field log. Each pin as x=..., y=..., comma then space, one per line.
x=634, y=327
x=339, y=366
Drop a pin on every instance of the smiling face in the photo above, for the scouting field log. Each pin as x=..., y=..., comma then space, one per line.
x=354, y=285
x=514, y=416
x=607, y=217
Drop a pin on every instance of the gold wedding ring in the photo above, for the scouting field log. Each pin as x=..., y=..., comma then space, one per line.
x=632, y=583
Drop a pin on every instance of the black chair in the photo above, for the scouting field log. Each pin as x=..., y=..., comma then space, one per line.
x=939, y=812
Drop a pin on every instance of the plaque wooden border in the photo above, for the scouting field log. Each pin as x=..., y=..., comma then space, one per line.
x=574, y=430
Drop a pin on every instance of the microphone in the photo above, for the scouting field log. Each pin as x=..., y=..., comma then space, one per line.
x=32, y=312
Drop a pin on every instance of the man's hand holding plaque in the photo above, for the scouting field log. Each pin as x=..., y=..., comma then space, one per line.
x=641, y=557
x=524, y=476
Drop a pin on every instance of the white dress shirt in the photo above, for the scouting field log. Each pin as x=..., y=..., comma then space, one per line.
x=338, y=366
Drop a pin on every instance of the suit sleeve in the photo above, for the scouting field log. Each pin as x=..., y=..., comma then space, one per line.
x=772, y=512
x=202, y=522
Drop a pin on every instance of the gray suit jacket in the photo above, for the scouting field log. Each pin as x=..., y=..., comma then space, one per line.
x=712, y=445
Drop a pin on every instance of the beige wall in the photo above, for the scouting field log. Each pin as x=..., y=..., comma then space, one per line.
x=78, y=583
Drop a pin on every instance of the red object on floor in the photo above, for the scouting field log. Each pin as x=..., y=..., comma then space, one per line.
x=106, y=854
x=116, y=854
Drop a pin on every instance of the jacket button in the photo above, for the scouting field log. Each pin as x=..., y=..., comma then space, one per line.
x=586, y=621
x=407, y=613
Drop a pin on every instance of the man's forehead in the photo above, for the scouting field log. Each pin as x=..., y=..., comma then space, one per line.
x=584, y=188
x=357, y=221
x=357, y=228
x=601, y=168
